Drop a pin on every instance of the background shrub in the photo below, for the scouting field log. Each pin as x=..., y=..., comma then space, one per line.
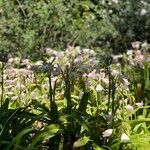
x=31, y=26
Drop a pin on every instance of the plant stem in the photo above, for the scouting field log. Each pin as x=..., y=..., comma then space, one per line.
x=50, y=89
x=109, y=89
x=68, y=90
x=2, y=84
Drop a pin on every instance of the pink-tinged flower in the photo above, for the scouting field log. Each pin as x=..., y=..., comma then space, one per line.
x=107, y=133
x=129, y=108
x=139, y=104
x=85, y=75
x=124, y=138
x=92, y=74
x=138, y=57
x=105, y=80
x=25, y=61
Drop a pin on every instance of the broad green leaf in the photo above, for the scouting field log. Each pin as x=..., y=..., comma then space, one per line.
x=81, y=141
x=141, y=141
x=84, y=102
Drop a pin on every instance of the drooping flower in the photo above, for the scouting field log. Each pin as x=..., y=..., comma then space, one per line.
x=126, y=82
x=139, y=104
x=124, y=138
x=116, y=58
x=107, y=132
x=99, y=88
x=136, y=45
x=129, y=52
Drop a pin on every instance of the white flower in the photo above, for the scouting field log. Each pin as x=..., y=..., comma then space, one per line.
x=117, y=57
x=143, y=12
x=145, y=44
x=86, y=51
x=10, y=60
x=49, y=51
x=110, y=11
x=107, y=133
x=103, y=2
x=109, y=113
x=139, y=104
x=14, y=98
x=99, y=88
x=136, y=45
x=144, y=3
x=129, y=108
x=109, y=3
x=124, y=138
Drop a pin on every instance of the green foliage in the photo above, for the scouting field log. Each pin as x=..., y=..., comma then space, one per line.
x=29, y=26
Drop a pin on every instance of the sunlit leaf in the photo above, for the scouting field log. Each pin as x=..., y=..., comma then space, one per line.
x=81, y=141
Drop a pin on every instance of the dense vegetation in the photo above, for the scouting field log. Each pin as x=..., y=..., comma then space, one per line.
x=31, y=26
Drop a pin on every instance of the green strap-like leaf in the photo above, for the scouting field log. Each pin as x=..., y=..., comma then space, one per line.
x=47, y=133
x=17, y=139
